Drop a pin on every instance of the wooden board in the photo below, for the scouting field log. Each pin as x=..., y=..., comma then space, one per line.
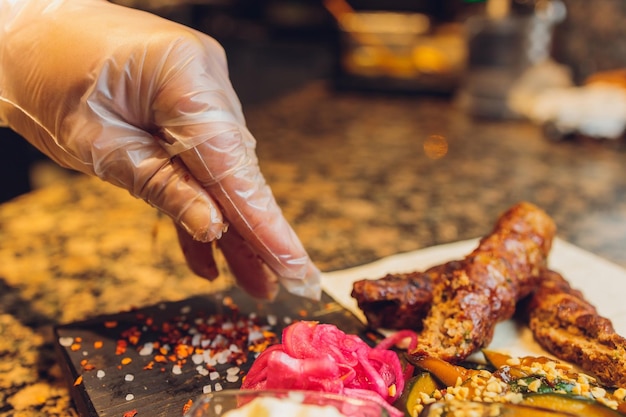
x=106, y=379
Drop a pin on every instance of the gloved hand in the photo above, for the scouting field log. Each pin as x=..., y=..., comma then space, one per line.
x=146, y=104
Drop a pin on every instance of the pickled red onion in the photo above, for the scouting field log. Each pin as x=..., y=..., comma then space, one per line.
x=320, y=357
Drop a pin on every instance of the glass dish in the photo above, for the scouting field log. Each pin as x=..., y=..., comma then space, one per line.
x=219, y=403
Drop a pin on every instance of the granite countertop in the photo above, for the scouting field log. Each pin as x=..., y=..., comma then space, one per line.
x=351, y=174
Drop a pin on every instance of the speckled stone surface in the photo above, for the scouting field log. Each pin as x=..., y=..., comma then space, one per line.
x=592, y=38
x=352, y=174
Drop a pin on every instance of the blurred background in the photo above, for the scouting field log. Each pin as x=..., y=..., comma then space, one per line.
x=474, y=52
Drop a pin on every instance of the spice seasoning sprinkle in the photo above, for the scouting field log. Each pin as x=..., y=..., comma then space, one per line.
x=187, y=406
x=203, y=341
x=210, y=340
x=214, y=345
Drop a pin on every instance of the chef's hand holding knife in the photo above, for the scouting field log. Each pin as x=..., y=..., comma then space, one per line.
x=146, y=104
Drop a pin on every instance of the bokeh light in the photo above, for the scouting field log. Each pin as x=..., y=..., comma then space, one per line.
x=436, y=147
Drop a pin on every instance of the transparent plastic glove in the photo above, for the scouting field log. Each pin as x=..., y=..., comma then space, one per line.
x=146, y=104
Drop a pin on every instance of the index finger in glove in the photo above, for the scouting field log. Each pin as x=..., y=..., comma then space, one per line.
x=249, y=271
x=202, y=123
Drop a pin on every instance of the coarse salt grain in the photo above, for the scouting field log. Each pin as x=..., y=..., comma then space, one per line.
x=130, y=397
x=129, y=377
x=222, y=357
x=147, y=349
x=214, y=375
x=218, y=386
x=176, y=370
x=66, y=341
x=100, y=374
x=206, y=389
x=254, y=335
x=219, y=340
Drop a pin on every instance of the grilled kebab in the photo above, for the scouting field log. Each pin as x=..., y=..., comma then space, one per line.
x=470, y=296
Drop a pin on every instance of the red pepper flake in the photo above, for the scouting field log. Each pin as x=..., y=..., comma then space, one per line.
x=187, y=406
x=149, y=365
x=132, y=335
x=89, y=367
x=98, y=344
x=131, y=413
x=86, y=365
x=126, y=361
x=302, y=313
x=167, y=327
x=78, y=381
x=183, y=351
x=371, y=336
x=120, y=347
x=160, y=359
x=110, y=324
x=75, y=347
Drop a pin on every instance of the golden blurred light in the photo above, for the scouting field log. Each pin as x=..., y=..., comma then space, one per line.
x=436, y=147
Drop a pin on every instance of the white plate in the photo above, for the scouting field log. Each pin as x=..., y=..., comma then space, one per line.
x=602, y=282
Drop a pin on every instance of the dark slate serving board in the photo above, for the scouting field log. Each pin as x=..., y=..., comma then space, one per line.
x=106, y=379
